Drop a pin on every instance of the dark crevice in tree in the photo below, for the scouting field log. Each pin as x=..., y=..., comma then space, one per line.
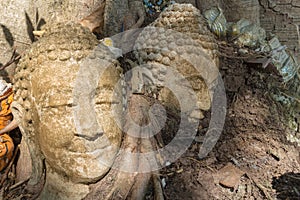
x=40, y=24
x=30, y=27
x=37, y=16
x=39, y=21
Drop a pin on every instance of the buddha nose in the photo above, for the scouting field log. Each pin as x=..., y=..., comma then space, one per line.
x=86, y=122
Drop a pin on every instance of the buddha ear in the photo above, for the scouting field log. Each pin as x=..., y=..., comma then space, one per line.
x=17, y=111
x=30, y=153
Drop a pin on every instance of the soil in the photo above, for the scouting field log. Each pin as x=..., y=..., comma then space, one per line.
x=252, y=151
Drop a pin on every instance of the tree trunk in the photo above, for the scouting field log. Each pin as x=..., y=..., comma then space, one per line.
x=19, y=18
x=282, y=18
x=278, y=17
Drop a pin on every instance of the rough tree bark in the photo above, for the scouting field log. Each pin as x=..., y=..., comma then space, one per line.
x=18, y=17
x=283, y=19
x=280, y=17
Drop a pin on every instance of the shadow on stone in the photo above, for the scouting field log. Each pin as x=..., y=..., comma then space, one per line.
x=8, y=35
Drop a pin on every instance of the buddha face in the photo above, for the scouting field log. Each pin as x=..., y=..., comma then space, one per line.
x=74, y=125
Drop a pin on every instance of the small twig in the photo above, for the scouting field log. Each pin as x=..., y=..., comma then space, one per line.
x=198, y=161
x=296, y=191
x=193, y=159
x=233, y=57
x=289, y=96
x=14, y=58
x=18, y=184
x=293, y=177
x=261, y=187
x=21, y=42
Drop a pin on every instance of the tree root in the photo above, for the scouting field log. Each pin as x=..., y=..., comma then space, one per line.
x=158, y=190
x=25, y=190
x=119, y=184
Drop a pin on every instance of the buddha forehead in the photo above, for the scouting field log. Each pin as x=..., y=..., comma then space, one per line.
x=57, y=85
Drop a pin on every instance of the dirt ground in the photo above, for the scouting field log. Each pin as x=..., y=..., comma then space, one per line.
x=252, y=159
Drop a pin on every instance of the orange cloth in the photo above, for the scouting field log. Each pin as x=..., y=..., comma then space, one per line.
x=6, y=150
x=5, y=111
x=6, y=143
